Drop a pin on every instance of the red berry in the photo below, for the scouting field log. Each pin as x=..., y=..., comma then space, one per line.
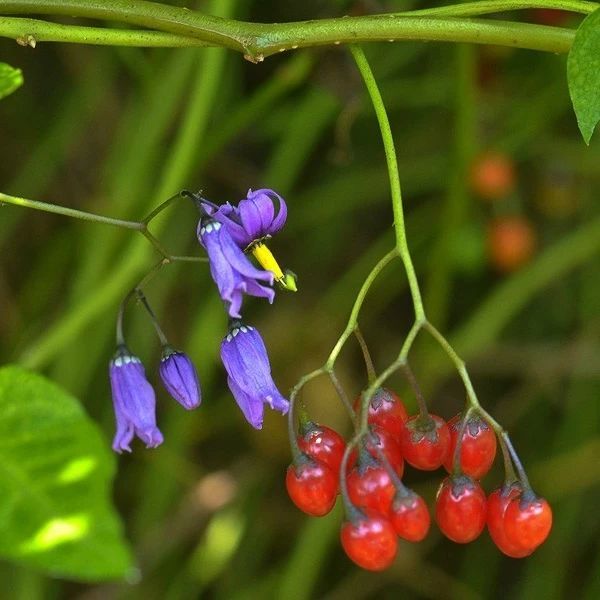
x=312, y=486
x=511, y=243
x=370, y=486
x=460, y=509
x=323, y=444
x=382, y=440
x=370, y=541
x=497, y=502
x=425, y=441
x=478, y=448
x=386, y=410
x=410, y=517
x=527, y=521
x=492, y=176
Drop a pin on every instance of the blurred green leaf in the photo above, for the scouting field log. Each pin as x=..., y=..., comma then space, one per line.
x=11, y=79
x=55, y=471
x=583, y=74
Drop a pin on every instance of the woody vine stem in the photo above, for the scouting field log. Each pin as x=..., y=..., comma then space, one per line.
x=170, y=26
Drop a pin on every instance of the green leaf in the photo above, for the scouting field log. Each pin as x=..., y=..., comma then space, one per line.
x=11, y=79
x=583, y=74
x=55, y=476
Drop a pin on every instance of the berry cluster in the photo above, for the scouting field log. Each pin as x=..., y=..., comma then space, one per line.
x=380, y=508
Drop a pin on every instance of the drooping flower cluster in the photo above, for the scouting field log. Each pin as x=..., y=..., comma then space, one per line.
x=229, y=234
x=133, y=396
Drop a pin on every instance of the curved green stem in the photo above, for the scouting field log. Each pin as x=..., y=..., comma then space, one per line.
x=360, y=298
x=392, y=164
x=259, y=40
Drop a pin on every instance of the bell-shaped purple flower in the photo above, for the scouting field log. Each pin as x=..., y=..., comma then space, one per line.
x=253, y=218
x=231, y=270
x=180, y=378
x=134, y=402
x=249, y=378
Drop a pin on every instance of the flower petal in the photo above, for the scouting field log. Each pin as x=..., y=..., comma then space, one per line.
x=252, y=408
x=239, y=261
x=279, y=220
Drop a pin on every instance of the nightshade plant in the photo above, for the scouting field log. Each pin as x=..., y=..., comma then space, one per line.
x=231, y=233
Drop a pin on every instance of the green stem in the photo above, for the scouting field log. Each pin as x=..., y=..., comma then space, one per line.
x=353, y=319
x=509, y=471
x=120, y=337
x=259, y=40
x=159, y=332
x=28, y=32
x=518, y=465
x=371, y=373
x=485, y=7
x=392, y=164
x=339, y=388
x=162, y=206
x=69, y=212
x=414, y=384
x=140, y=226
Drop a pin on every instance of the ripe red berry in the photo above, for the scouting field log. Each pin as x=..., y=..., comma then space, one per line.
x=492, y=176
x=410, y=517
x=511, y=243
x=478, y=448
x=370, y=541
x=312, y=486
x=527, y=521
x=323, y=444
x=460, y=509
x=425, y=441
x=370, y=486
x=380, y=440
x=497, y=503
x=386, y=410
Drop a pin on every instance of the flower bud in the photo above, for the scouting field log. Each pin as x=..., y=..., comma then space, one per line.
x=180, y=378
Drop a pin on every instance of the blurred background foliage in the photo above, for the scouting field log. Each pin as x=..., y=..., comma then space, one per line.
x=117, y=130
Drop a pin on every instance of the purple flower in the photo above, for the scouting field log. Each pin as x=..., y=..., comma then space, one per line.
x=134, y=402
x=231, y=270
x=179, y=377
x=249, y=378
x=254, y=217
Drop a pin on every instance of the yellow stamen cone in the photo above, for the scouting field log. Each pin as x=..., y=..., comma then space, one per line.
x=266, y=260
